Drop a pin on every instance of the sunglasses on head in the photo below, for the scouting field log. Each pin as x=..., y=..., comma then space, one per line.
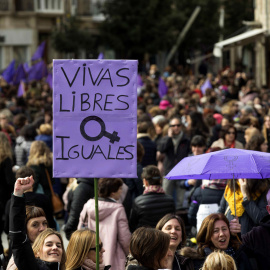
x=178, y=125
x=100, y=246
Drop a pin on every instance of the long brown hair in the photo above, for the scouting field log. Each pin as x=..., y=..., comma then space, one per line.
x=253, y=186
x=149, y=246
x=78, y=247
x=5, y=148
x=206, y=231
x=169, y=217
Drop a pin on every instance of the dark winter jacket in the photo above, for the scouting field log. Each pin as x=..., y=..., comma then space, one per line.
x=182, y=263
x=202, y=196
x=150, y=149
x=258, y=241
x=7, y=180
x=21, y=248
x=137, y=267
x=83, y=192
x=42, y=179
x=254, y=212
x=149, y=208
x=240, y=257
x=171, y=159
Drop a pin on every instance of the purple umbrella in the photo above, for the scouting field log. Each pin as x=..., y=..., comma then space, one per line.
x=224, y=164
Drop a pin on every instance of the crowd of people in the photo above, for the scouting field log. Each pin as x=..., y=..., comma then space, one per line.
x=144, y=222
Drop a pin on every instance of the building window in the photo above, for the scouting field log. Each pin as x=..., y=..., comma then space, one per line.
x=53, y=6
x=27, y=5
x=4, y=5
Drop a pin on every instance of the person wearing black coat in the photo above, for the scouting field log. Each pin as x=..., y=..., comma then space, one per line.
x=83, y=192
x=210, y=192
x=258, y=239
x=250, y=199
x=214, y=234
x=34, y=199
x=40, y=256
x=153, y=204
x=149, y=146
x=175, y=147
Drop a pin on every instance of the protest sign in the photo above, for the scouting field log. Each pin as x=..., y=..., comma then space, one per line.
x=95, y=118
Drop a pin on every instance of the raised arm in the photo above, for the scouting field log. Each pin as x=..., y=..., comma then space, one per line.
x=21, y=248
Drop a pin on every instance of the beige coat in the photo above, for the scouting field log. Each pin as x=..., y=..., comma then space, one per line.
x=220, y=143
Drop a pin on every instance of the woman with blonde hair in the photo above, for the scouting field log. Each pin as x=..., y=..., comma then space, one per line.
x=81, y=251
x=7, y=178
x=47, y=252
x=219, y=260
x=40, y=160
x=45, y=135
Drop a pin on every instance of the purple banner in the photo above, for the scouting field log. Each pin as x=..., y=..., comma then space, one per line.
x=95, y=118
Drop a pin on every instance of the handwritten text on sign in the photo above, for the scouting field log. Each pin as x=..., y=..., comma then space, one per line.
x=94, y=104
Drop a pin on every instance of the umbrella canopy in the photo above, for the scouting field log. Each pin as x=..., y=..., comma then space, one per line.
x=224, y=164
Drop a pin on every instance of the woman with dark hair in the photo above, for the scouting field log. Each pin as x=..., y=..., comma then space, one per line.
x=150, y=247
x=196, y=125
x=174, y=226
x=257, y=143
x=250, y=197
x=215, y=234
x=153, y=204
x=113, y=223
x=228, y=138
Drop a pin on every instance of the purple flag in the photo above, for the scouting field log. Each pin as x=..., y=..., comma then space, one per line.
x=139, y=80
x=101, y=56
x=205, y=86
x=37, y=71
x=162, y=88
x=26, y=67
x=9, y=72
x=39, y=52
x=49, y=80
x=95, y=118
x=20, y=75
x=21, y=89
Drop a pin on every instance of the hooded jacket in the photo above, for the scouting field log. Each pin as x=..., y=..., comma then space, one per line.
x=113, y=230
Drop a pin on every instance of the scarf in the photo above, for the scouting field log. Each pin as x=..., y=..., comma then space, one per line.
x=232, y=145
x=176, y=140
x=155, y=189
x=90, y=265
x=229, y=197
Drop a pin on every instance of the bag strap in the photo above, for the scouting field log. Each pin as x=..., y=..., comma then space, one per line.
x=49, y=181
